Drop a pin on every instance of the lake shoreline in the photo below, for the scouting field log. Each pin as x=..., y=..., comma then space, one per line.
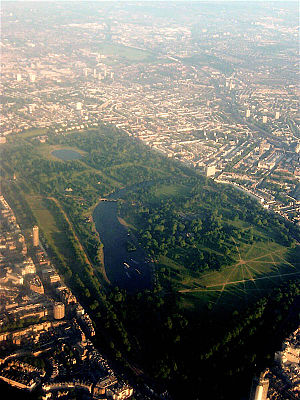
x=127, y=269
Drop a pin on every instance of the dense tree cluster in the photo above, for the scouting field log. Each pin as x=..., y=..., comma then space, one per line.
x=199, y=228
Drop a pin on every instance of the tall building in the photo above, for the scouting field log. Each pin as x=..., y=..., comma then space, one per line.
x=58, y=310
x=19, y=77
x=210, y=170
x=35, y=236
x=248, y=113
x=260, y=386
x=32, y=77
x=277, y=115
x=78, y=106
x=265, y=119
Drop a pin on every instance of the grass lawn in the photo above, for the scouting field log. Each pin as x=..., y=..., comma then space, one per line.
x=258, y=268
x=164, y=191
x=130, y=53
x=52, y=227
x=30, y=133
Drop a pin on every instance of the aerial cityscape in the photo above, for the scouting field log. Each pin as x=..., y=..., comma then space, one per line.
x=41, y=319
x=150, y=184
x=201, y=89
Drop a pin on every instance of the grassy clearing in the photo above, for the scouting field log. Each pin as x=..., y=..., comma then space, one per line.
x=52, y=227
x=30, y=133
x=258, y=268
x=164, y=191
x=130, y=53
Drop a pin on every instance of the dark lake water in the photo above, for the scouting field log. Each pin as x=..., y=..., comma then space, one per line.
x=66, y=154
x=137, y=274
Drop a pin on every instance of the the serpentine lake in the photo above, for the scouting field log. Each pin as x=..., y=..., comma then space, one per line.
x=127, y=269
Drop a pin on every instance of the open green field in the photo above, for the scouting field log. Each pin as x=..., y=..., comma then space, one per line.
x=164, y=191
x=129, y=53
x=52, y=226
x=30, y=133
x=258, y=268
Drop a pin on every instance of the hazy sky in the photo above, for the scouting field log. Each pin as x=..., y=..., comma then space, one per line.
x=140, y=1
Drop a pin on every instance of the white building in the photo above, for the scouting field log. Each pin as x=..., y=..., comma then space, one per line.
x=210, y=170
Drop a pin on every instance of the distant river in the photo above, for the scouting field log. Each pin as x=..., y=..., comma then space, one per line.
x=66, y=154
x=128, y=270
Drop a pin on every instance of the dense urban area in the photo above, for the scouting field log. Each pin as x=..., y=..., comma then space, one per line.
x=45, y=332
x=218, y=95
x=182, y=124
